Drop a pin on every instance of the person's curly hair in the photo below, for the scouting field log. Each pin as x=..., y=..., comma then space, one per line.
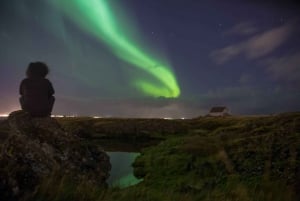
x=37, y=69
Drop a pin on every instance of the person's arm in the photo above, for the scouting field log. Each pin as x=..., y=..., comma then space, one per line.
x=51, y=89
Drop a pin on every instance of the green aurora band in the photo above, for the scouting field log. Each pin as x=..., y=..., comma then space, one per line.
x=97, y=18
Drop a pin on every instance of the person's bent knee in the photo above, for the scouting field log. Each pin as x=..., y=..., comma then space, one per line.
x=22, y=102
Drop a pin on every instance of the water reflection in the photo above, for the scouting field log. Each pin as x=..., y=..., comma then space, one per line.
x=121, y=174
x=122, y=154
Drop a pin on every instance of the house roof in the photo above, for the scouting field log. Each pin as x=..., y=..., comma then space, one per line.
x=217, y=109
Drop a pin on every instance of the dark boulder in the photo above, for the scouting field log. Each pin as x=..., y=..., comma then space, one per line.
x=35, y=148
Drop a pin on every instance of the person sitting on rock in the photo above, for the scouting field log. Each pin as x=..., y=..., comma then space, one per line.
x=36, y=91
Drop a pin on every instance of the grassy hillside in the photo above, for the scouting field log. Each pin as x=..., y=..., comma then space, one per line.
x=133, y=129
x=233, y=158
x=208, y=158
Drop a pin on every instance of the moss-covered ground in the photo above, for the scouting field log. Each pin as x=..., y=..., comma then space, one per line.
x=208, y=158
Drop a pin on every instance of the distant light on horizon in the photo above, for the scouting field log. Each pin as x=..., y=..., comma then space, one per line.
x=95, y=117
x=62, y=116
x=58, y=116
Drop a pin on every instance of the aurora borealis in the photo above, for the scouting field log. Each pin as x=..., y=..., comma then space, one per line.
x=154, y=58
x=97, y=18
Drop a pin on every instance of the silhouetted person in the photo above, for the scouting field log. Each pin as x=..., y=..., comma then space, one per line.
x=36, y=91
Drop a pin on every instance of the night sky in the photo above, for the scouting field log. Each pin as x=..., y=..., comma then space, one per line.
x=154, y=58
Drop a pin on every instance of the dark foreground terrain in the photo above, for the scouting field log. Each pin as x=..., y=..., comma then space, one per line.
x=207, y=158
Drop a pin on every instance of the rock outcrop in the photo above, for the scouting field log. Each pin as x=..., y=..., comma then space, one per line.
x=35, y=148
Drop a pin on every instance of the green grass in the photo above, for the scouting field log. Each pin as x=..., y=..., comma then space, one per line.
x=205, y=159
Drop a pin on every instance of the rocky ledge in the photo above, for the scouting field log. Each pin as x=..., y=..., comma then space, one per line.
x=36, y=148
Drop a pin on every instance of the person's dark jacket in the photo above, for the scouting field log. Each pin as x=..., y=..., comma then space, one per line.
x=37, y=96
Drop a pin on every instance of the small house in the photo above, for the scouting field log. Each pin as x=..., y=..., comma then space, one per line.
x=218, y=111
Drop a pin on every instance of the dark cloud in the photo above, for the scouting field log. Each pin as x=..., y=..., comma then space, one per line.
x=257, y=46
x=243, y=28
x=285, y=68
